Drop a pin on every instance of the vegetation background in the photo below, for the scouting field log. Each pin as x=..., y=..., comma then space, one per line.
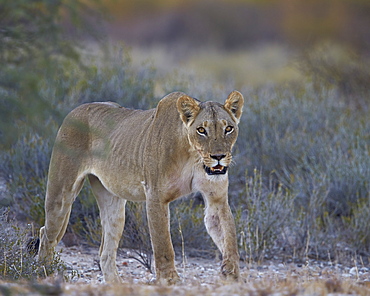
x=300, y=183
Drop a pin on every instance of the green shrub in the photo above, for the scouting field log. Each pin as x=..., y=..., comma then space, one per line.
x=34, y=48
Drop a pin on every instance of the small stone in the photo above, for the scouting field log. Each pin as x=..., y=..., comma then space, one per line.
x=353, y=271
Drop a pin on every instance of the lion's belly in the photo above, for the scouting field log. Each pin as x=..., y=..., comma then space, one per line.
x=130, y=191
x=124, y=185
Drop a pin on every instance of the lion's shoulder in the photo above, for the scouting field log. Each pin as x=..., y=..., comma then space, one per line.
x=169, y=100
x=166, y=110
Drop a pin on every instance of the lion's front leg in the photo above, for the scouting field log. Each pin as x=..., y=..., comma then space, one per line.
x=221, y=227
x=164, y=255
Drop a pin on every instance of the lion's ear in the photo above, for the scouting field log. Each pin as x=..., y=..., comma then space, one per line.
x=234, y=104
x=188, y=109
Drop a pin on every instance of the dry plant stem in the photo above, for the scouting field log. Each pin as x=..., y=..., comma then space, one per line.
x=5, y=266
x=307, y=244
x=21, y=259
x=182, y=243
x=356, y=267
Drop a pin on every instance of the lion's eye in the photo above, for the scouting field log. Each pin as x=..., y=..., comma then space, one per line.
x=202, y=131
x=229, y=129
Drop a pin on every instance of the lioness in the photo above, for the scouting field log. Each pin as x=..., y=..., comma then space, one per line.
x=157, y=155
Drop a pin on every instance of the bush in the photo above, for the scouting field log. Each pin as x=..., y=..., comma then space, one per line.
x=332, y=66
x=316, y=146
x=33, y=48
x=264, y=218
x=136, y=236
x=16, y=262
x=115, y=79
x=187, y=227
x=24, y=168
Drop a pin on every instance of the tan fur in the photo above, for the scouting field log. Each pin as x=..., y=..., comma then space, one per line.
x=156, y=156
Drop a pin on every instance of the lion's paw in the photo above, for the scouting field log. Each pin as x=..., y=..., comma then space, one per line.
x=230, y=270
x=168, y=278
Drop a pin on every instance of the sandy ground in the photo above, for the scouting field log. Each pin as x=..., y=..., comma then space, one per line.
x=200, y=277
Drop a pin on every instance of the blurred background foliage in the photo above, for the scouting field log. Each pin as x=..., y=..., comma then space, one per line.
x=300, y=184
x=241, y=23
x=34, y=50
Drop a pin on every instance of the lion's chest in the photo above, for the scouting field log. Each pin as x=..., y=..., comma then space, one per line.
x=180, y=184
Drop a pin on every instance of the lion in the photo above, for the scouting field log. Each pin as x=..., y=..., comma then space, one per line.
x=158, y=155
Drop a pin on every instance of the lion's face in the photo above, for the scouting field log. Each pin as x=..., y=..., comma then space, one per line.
x=213, y=134
x=212, y=129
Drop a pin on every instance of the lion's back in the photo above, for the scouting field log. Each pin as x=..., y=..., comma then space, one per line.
x=105, y=131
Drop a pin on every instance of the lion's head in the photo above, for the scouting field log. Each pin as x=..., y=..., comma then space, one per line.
x=212, y=129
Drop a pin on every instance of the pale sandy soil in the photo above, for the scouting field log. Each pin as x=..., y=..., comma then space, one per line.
x=201, y=277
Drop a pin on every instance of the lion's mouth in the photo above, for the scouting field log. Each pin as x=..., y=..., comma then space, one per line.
x=216, y=170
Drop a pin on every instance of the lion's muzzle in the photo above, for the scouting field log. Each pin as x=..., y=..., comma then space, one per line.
x=219, y=168
x=216, y=170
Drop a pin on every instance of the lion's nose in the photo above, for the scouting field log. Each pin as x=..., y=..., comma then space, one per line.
x=218, y=156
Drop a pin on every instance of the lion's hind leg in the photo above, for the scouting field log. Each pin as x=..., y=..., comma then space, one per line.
x=112, y=216
x=58, y=204
x=69, y=165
